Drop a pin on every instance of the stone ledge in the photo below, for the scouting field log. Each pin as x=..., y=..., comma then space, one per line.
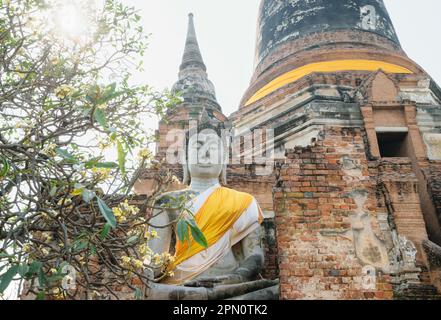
x=433, y=252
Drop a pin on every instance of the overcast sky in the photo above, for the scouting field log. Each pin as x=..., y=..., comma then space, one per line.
x=226, y=32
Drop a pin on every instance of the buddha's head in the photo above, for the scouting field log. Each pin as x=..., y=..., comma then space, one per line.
x=205, y=154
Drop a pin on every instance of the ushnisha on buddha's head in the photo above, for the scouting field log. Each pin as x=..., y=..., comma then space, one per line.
x=205, y=156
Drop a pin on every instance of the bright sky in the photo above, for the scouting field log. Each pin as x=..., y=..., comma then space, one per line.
x=226, y=32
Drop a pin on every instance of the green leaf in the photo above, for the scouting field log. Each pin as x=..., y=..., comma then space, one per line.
x=4, y=168
x=107, y=213
x=56, y=277
x=198, y=236
x=100, y=117
x=53, y=191
x=4, y=255
x=80, y=245
x=138, y=294
x=62, y=265
x=182, y=230
x=93, y=94
x=35, y=267
x=109, y=94
x=41, y=295
x=23, y=269
x=111, y=88
x=88, y=195
x=106, y=165
x=191, y=221
x=93, y=250
x=6, y=278
x=121, y=157
x=113, y=137
x=42, y=281
x=132, y=239
x=92, y=162
x=105, y=232
x=66, y=155
x=105, y=95
x=170, y=201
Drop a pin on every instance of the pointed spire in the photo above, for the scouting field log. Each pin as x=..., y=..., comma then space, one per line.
x=193, y=82
x=192, y=54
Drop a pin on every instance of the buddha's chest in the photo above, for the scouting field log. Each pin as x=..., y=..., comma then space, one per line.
x=225, y=265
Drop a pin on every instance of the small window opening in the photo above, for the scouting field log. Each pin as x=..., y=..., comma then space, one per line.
x=393, y=144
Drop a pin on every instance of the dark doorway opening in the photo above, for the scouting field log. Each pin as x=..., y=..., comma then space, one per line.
x=393, y=144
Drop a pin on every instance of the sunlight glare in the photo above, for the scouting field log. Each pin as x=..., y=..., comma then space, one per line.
x=75, y=20
x=71, y=21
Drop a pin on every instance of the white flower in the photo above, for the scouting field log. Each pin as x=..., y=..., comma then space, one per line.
x=63, y=91
x=148, y=260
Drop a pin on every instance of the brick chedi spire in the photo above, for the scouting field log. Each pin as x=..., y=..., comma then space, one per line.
x=197, y=92
x=192, y=53
x=281, y=22
x=298, y=38
x=357, y=138
x=193, y=81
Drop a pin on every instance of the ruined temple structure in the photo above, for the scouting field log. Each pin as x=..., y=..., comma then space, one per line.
x=353, y=206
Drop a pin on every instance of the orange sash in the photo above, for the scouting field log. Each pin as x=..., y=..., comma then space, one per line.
x=216, y=216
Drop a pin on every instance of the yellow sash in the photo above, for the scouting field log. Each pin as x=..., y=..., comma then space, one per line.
x=216, y=216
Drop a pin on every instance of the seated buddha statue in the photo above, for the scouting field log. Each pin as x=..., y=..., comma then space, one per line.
x=229, y=267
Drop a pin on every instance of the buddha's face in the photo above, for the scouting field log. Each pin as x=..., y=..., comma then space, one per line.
x=205, y=155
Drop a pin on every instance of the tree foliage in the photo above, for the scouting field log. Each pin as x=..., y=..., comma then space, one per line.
x=67, y=105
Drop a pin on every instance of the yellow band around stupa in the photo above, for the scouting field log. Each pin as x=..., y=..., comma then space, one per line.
x=326, y=66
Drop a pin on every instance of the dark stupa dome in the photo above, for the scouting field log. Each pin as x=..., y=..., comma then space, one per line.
x=282, y=21
x=297, y=38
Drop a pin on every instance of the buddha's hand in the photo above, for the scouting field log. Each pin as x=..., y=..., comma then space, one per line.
x=210, y=282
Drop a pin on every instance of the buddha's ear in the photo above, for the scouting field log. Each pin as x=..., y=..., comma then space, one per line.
x=224, y=175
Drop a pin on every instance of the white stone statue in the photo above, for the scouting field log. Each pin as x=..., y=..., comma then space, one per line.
x=230, y=220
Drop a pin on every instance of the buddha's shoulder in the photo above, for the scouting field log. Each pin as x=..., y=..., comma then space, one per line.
x=173, y=198
x=240, y=193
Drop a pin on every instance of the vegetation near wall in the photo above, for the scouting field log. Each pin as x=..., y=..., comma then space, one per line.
x=72, y=144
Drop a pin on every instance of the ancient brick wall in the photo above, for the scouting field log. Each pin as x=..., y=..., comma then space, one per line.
x=401, y=188
x=333, y=223
x=244, y=178
x=313, y=218
x=433, y=253
x=398, y=196
x=433, y=174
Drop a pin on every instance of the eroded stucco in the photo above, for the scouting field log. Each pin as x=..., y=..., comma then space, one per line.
x=285, y=20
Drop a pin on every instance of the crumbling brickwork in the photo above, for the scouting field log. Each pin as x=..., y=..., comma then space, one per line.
x=399, y=187
x=434, y=185
x=324, y=243
x=313, y=210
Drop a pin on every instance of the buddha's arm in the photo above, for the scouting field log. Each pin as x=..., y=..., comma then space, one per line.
x=247, y=270
x=253, y=261
x=160, y=223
